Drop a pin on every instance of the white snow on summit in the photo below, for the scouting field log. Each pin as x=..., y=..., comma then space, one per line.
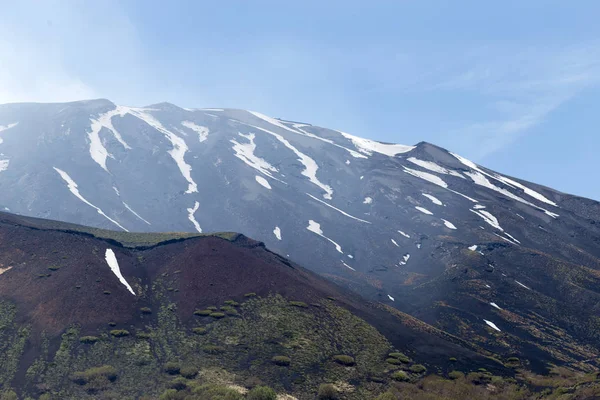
x=277, y=232
x=431, y=166
x=202, y=131
x=315, y=227
x=492, y=325
x=245, y=152
x=192, y=218
x=368, y=147
x=310, y=165
x=433, y=199
x=73, y=188
x=112, y=262
x=262, y=181
x=424, y=210
x=449, y=224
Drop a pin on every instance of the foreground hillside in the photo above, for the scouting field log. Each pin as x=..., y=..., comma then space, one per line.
x=88, y=314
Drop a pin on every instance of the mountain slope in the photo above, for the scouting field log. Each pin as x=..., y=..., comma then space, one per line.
x=72, y=303
x=510, y=266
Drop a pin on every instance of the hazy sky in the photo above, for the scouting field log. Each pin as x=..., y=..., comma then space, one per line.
x=512, y=85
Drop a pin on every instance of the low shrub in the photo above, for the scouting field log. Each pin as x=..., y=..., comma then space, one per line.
x=400, y=357
x=178, y=384
x=327, y=392
x=212, y=308
x=418, y=368
x=232, y=303
x=203, y=313
x=143, y=335
x=54, y=268
x=199, y=331
x=281, y=361
x=452, y=359
x=261, y=393
x=300, y=304
x=188, y=371
x=172, y=368
x=146, y=310
x=400, y=376
x=217, y=315
x=106, y=292
x=112, y=324
x=119, y=332
x=455, y=375
x=393, y=361
x=386, y=396
x=96, y=375
x=212, y=349
x=88, y=339
x=344, y=360
x=250, y=294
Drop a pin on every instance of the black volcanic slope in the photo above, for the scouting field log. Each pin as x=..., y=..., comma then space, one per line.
x=56, y=288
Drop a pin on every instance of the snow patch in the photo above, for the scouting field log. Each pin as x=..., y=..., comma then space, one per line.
x=97, y=150
x=478, y=206
x=136, y=214
x=116, y=191
x=310, y=166
x=449, y=224
x=6, y=127
x=245, y=152
x=390, y=297
x=277, y=233
x=473, y=248
x=436, y=180
x=262, y=181
x=367, y=200
x=3, y=270
x=492, y=325
x=192, y=218
x=404, y=234
x=315, y=227
x=179, y=146
x=396, y=244
x=337, y=209
x=367, y=146
x=347, y=162
x=424, y=210
x=111, y=260
x=495, y=305
x=202, y=131
x=489, y=218
x=348, y=265
x=433, y=199
x=4, y=165
x=520, y=284
x=431, y=166
x=73, y=188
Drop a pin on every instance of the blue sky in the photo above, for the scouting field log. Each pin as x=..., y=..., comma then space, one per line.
x=512, y=85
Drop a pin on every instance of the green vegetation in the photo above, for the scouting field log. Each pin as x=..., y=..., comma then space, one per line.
x=232, y=303
x=199, y=331
x=54, y=268
x=203, y=313
x=344, y=360
x=327, y=392
x=106, y=292
x=217, y=315
x=418, y=368
x=250, y=294
x=119, y=333
x=400, y=376
x=146, y=310
x=300, y=304
x=172, y=368
x=96, y=379
x=281, y=361
x=213, y=349
x=88, y=339
x=400, y=357
x=262, y=393
x=188, y=371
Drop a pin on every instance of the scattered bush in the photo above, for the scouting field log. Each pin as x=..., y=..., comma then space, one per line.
x=98, y=376
x=418, y=368
x=54, y=268
x=262, y=393
x=400, y=376
x=119, y=332
x=143, y=335
x=455, y=375
x=300, y=304
x=386, y=396
x=188, y=371
x=344, y=360
x=172, y=368
x=170, y=394
x=112, y=324
x=199, y=331
x=452, y=359
x=203, y=313
x=393, y=361
x=106, y=292
x=8, y=395
x=232, y=303
x=212, y=308
x=146, y=310
x=214, y=392
x=327, y=392
x=212, y=349
x=178, y=384
x=88, y=339
x=217, y=315
x=281, y=360
x=400, y=357
x=250, y=294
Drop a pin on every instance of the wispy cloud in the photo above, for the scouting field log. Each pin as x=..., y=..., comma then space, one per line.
x=520, y=89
